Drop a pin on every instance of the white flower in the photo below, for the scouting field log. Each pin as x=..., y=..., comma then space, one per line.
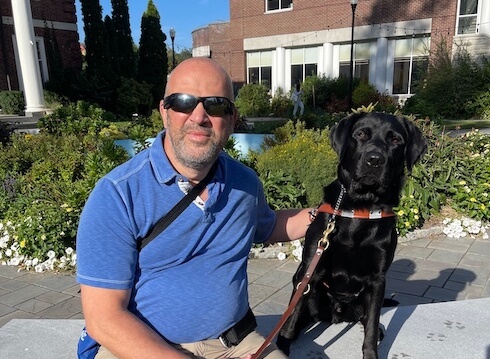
x=69, y=250
x=298, y=253
x=35, y=261
x=8, y=252
x=14, y=261
x=281, y=256
x=38, y=268
x=51, y=254
x=296, y=243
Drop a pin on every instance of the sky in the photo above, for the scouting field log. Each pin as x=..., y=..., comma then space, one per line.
x=184, y=16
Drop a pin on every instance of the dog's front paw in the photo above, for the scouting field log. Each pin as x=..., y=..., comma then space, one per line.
x=284, y=344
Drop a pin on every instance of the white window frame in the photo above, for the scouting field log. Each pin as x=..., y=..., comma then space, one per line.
x=41, y=59
x=360, y=58
x=411, y=57
x=307, y=53
x=261, y=55
x=460, y=17
x=279, y=8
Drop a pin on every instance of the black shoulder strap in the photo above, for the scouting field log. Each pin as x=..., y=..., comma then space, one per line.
x=168, y=218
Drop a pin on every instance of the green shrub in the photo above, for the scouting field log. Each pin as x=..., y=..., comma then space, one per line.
x=133, y=97
x=449, y=87
x=454, y=171
x=54, y=100
x=46, y=180
x=281, y=105
x=480, y=105
x=12, y=102
x=365, y=94
x=282, y=191
x=254, y=100
x=6, y=131
x=304, y=155
x=76, y=118
x=470, y=185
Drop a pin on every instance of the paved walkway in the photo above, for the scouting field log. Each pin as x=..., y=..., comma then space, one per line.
x=431, y=269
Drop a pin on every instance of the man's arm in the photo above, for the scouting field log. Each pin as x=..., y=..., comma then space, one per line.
x=113, y=326
x=291, y=224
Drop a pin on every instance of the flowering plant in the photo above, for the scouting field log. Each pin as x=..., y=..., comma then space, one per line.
x=470, y=187
x=457, y=228
x=295, y=249
x=11, y=254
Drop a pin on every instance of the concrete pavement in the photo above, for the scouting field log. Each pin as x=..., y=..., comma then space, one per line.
x=429, y=269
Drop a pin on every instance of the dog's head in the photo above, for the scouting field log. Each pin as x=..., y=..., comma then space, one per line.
x=373, y=150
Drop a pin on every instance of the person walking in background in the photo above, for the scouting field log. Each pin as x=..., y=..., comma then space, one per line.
x=185, y=294
x=297, y=102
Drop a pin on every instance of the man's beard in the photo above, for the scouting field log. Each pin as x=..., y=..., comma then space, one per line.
x=202, y=155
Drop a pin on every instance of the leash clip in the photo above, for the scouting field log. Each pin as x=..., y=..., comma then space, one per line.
x=324, y=242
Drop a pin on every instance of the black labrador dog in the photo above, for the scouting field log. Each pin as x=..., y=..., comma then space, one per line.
x=348, y=284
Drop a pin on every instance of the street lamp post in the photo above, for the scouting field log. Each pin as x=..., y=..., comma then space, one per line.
x=172, y=36
x=353, y=4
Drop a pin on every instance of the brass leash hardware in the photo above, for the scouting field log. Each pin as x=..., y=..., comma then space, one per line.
x=324, y=242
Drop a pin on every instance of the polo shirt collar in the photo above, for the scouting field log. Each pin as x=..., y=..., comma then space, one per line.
x=164, y=171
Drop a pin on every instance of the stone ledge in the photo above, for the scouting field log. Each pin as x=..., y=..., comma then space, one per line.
x=445, y=330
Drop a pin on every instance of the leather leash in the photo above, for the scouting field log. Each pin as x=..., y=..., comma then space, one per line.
x=323, y=244
x=302, y=289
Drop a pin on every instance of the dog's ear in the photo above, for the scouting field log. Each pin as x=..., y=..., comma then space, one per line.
x=340, y=134
x=416, y=145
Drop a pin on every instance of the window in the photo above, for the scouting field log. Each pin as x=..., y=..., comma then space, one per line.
x=259, y=68
x=411, y=60
x=41, y=60
x=304, y=63
x=467, y=17
x=272, y=5
x=360, y=61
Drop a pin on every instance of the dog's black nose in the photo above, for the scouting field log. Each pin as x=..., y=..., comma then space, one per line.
x=374, y=159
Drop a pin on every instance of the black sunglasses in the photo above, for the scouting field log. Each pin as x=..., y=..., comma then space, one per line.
x=214, y=105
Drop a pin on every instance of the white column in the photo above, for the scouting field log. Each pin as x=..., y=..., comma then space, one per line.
x=29, y=66
x=327, y=64
x=280, y=59
x=378, y=65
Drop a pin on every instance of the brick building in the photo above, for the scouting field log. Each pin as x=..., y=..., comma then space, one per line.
x=280, y=42
x=59, y=16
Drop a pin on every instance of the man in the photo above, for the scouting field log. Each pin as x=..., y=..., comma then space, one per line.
x=178, y=296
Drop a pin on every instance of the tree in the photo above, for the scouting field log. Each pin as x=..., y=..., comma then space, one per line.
x=179, y=57
x=111, y=44
x=97, y=55
x=123, y=40
x=153, y=60
x=54, y=60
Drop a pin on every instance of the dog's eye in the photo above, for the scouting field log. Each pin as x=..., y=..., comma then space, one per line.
x=396, y=140
x=362, y=135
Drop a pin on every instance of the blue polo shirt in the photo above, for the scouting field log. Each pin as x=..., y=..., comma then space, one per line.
x=190, y=282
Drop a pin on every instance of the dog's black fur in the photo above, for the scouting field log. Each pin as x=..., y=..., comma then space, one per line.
x=349, y=282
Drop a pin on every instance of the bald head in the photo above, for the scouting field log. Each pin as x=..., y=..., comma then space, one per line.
x=200, y=76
